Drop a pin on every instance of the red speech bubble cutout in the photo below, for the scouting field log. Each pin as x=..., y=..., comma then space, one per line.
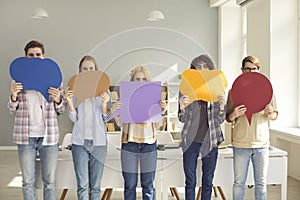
x=88, y=84
x=253, y=90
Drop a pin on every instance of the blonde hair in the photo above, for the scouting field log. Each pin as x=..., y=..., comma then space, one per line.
x=252, y=59
x=142, y=69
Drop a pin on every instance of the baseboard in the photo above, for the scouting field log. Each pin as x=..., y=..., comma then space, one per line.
x=8, y=148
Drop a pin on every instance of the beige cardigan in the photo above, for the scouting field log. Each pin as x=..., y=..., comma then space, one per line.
x=140, y=133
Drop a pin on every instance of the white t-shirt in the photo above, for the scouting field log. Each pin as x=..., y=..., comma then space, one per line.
x=88, y=133
x=36, y=106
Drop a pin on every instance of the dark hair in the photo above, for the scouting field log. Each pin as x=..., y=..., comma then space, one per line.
x=251, y=59
x=90, y=58
x=202, y=59
x=34, y=44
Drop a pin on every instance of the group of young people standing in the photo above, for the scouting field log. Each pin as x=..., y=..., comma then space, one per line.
x=36, y=130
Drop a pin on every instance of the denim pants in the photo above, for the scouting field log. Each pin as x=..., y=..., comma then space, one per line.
x=132, y=155
x=88, y=164
x=190, y=158
x=27, y=156
x=260, y=161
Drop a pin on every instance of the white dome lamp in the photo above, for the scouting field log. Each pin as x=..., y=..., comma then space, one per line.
x=155, y=15
x=39, y=13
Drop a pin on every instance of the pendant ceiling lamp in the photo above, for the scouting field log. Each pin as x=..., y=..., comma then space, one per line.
x=39, y=13
x=155, y=15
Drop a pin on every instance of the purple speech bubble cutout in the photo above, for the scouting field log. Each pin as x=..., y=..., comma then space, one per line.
x=36, y=74
x=140, y=102
x=253, y=90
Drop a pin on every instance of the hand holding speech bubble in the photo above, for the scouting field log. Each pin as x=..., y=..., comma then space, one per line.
x=141, y=102
x=36, y=74
x=253, y=90
x=204, y=85
x=88, y=84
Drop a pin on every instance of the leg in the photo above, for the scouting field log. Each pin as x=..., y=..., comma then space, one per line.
x=208, y=169
x=80, y=160
x=27, y=155
x=241, y=159
x=97, y=159
x=190, y=157
x=260, y=161
x=49, y=156
x=221, y=193
x=174, y=193
x=215, y=191
x=148, y=166
x=129, y=161
x=110, y=190
x=63, y=194
x=199, y=193
x=107, y=193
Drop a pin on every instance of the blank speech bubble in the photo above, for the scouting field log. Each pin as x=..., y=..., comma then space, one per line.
x=36, y=74
x=88, y=84
x=204, y=85
x=253, y=90
x=141, y=102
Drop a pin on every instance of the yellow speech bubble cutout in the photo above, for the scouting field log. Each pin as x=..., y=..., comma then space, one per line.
x=204, y=85
x=88, y=84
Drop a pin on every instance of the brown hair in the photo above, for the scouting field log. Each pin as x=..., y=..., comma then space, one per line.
x=202, y=59
x=34, y=44
x=251, y=59
x=90, y=58
x=142, y=69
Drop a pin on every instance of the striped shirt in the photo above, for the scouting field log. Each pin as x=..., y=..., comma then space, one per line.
x=215, y=116
x=22, y=119
x=140, y=132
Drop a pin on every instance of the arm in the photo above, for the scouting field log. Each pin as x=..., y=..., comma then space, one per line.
x=13, y=102
x=106, y=104
x=181, y=110
x=237, y=111
x=105, y=99
x=222, y=107
x=57, y=96
x=69, y=96
x=270, y=112
x=232, y=111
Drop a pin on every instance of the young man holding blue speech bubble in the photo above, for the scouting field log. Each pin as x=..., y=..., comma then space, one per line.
x=36, y=129
x=250, y=106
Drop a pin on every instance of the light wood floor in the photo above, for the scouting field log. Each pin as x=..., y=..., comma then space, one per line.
x=10, y=174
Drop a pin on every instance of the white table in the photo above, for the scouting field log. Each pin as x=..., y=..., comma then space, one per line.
x=169, y=171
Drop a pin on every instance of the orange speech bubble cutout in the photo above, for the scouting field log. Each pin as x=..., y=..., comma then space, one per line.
x=88, y=84
x=204, y=85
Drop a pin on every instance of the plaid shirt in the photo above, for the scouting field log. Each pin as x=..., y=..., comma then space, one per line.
x=22, y=119
x=214, y=135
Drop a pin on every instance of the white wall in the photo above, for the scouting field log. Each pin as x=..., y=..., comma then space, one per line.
x=258, y=33
x=230, y=53
x=75, y=27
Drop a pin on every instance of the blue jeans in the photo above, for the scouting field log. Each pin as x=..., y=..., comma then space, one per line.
x=260, y=161
x=190, y=158
x=131, y=155
x=88, y=164
x=48, y=156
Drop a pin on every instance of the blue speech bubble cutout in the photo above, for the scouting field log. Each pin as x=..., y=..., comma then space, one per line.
x=36, y=74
